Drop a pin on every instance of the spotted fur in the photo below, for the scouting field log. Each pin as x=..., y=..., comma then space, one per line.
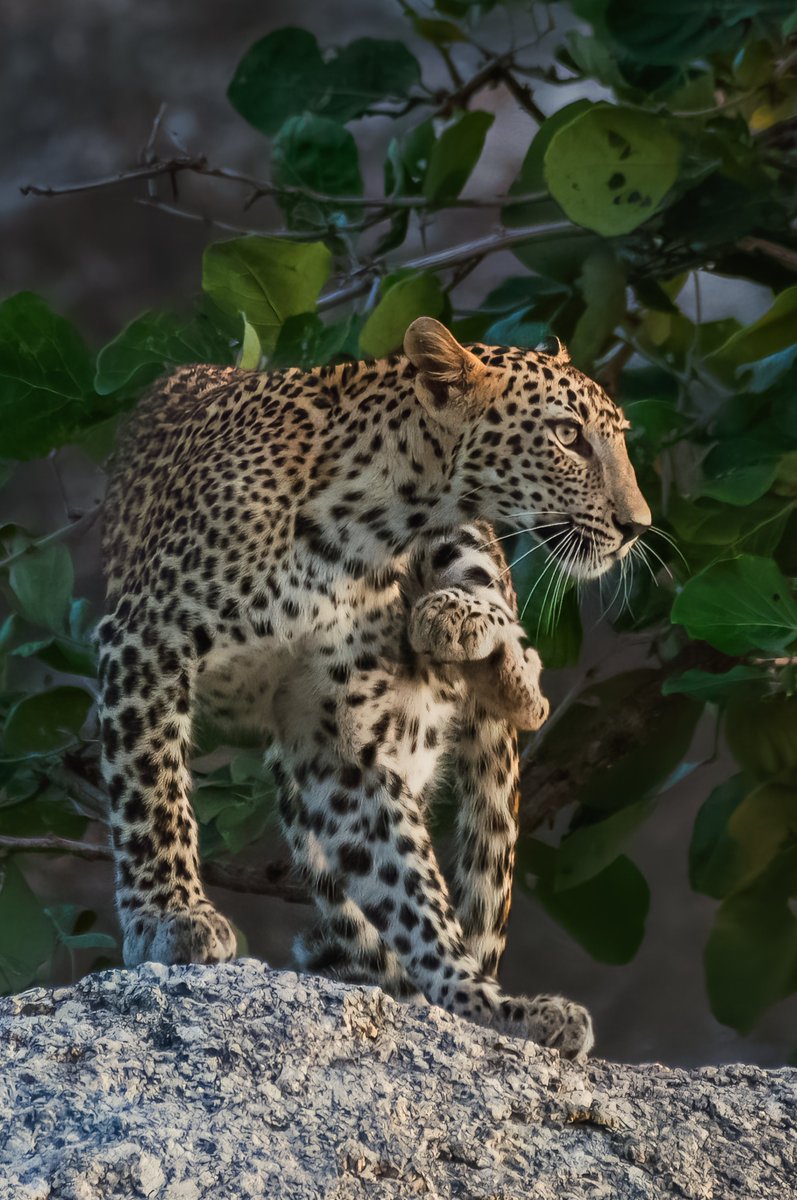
x=299, y=550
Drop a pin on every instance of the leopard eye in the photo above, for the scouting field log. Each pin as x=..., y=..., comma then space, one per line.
x=570, y=435
x=567, y=432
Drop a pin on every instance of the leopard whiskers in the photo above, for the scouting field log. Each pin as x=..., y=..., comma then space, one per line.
x=671, y=541
x=658, y=557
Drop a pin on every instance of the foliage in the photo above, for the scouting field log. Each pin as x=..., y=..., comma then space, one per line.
x=622, y=212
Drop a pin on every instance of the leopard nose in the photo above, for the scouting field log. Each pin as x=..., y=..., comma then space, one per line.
x=630, y=530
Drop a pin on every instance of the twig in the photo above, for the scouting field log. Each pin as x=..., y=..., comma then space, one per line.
x=453, y=256
x=198, y=165
x=782, y=254
x=82, y=523
x=272, y=879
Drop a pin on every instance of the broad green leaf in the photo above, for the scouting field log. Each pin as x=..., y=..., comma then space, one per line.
x=712, y=688
x=761, y=731
x=154, y=343
x=739, y=605
x=413, y=296
x=318, y=155
x=251, y=350
x=531, y=177
x=606, y=915
x=517, y=329
x=611, y=167
x=589, y=849
x=751, y=953
x=305, y=341
x=772, y=334
x=365, y=72
x=677, y=32
x=45, y=378
x=268, y=279
x=526, y=292
x=45, y=722
x=60, y=653
x=738, y=832
x=42, y=580
x=74, y=928
x=714, y=856
x=755, y=527
x=27, y=938
x=454, y=155
x=29, y=811
x=284, y=75
x=279, y=76
x=602, y=284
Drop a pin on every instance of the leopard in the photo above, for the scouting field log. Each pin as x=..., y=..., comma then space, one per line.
x=314, y=548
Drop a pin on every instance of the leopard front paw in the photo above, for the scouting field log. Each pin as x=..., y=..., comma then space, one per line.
x=198, y=934
x=549, y=1021
x=451, y=629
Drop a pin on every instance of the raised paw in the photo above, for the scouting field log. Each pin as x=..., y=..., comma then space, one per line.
x=198, y=934
x=549, y=1021
x=454, y=628
x=507, y=684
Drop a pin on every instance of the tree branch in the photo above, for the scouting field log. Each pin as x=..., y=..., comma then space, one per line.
x=272, y=879
x=198, y=165
x=454, y=256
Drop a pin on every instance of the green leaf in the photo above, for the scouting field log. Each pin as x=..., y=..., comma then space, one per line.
x=27, y=938
x=772, y=334
x=709, y=687
x=27, y=811
x=45, y=371
x=305, y=341
x=154, y=343
x=366, y=71
x=677, y=32
x=45, y=723
x=42, y=581
x=751, y=953
x=319, y=155
x=739, y=831
x=284, y=74
x=516, y=330
x=73, y=928
x=606, y=915
x=251, y=350
x=589, y=849
x=417, y=295
x=739, y=605
x=611, y=167
x=532, y=177
x=281, y=75
x=454, y=155
x=755, y=527
x=602, y=284
x=267, y=279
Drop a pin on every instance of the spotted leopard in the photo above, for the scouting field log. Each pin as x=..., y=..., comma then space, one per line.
x=302, y=542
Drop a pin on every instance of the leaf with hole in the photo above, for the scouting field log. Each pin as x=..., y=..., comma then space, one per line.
x=610, y=168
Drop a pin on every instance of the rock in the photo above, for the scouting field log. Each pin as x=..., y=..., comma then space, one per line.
x=237, y=1081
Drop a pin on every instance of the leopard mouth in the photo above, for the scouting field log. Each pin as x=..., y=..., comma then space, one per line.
x=584, y=552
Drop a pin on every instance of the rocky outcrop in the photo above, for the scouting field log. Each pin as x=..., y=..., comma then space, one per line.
x=237, y=1081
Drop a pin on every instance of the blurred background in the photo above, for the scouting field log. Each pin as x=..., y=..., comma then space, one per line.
x=82, y=86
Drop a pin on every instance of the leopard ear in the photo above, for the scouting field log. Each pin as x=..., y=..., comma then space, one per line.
x=452, y=384
x=553, y=348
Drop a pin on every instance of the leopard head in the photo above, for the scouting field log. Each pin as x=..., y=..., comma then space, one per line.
x=540, y=446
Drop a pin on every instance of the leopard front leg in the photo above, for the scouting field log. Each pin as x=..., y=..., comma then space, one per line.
x=367, y=844
x=486, y=643
x=146, y=682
